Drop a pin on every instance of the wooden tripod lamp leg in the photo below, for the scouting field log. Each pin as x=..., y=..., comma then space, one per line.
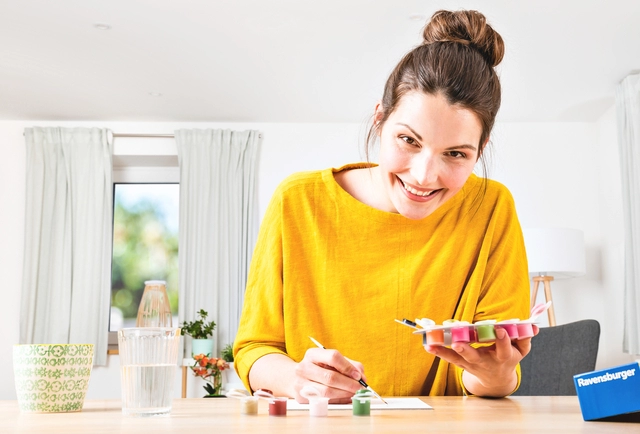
x=546, y=280
x=536, y=283
x=184, y=381
x=547, y=296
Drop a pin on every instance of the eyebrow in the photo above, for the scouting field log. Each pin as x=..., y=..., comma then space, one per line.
x=473, y=148
x=412, y=130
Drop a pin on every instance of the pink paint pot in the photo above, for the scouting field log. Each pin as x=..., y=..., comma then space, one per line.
x=435, y=337
x=510, y=328
x=460, y=334
x=318, y=405
x=525, y=330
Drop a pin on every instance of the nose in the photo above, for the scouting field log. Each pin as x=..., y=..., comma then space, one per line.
x=425, y=168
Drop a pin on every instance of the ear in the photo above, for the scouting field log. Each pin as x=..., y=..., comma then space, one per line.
x=482, y=148
x=378, y=115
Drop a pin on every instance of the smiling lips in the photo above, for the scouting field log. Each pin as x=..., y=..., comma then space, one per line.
x=421, y=194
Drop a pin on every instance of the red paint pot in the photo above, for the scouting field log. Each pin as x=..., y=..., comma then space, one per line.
x=278, y=407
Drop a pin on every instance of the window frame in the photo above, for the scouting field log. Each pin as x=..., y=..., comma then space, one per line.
x=140, y=169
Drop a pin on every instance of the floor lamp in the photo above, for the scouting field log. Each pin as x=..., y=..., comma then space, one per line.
x=553, y=253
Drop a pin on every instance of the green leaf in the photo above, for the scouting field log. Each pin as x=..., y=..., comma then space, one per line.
x=209, y=388
x=198, y=329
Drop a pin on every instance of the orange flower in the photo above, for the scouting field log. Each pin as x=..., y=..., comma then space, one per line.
x=209, y=369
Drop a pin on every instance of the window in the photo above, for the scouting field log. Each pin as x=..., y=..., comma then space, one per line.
x=145, y=246
x=152, y=162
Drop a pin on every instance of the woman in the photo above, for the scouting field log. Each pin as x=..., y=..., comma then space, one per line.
x=343, y=252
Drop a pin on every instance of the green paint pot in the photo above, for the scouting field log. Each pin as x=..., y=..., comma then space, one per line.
x=362, y=402
x=486, y=331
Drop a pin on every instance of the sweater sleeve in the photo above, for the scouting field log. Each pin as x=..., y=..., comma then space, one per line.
x=505, y=282
x=261, y=329
x=503, y=277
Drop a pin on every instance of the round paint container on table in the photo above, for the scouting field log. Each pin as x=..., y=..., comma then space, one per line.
x=277, y=405
x=248, y=403
x=362, y=402
x=318, y=405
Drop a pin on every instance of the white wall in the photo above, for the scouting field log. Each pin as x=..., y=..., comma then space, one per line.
x=568, y=175
x=561, y=174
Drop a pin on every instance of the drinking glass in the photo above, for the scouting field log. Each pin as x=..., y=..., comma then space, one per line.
x=148, y=364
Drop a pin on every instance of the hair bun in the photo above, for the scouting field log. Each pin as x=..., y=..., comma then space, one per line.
x=468, y=28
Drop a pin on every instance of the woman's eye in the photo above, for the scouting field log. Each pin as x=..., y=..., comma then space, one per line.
x=457, y=154
x=409, y=140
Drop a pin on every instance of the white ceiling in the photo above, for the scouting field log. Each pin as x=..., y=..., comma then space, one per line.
x=291, y=60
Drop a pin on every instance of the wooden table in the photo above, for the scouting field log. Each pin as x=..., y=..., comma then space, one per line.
x=520, y=414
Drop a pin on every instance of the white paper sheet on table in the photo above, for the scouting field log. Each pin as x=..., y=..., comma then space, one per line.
x=376, y=404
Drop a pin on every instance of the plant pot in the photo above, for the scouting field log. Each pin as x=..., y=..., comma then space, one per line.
x=202, y=346
x=230, y=379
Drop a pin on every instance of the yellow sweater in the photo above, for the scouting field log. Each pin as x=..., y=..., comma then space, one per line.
x=328, y=266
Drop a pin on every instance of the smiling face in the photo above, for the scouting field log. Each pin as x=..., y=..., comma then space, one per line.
x=428, y=149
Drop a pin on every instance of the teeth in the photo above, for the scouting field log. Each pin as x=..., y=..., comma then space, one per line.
x=416, y=192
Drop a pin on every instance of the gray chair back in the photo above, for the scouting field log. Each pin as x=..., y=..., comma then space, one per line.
x=557, y=354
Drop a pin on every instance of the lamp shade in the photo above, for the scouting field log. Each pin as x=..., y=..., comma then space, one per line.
x=556, y=252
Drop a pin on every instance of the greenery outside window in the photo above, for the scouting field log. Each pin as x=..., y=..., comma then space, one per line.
x=145, y=246
x=146, y=167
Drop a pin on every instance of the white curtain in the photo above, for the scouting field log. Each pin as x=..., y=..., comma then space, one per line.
x=67, y=256
x=218, y=225
x=628, y=114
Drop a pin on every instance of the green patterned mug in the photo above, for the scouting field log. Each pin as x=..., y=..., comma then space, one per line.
x=52, y=378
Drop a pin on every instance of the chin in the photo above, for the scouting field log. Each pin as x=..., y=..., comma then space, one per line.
x=415, y=210
x=414, y=214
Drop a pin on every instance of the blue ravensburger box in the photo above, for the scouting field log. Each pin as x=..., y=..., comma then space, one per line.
x=610, y=394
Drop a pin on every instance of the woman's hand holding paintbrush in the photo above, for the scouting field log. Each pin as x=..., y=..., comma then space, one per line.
x=332, y=374
x=351, y=369
x=335, y=376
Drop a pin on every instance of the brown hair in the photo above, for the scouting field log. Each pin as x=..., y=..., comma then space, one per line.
x=457, y=60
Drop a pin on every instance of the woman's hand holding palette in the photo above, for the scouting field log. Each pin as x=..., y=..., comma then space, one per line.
x=451, y=331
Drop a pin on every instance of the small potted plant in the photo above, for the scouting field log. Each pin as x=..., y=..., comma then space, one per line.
x=231, y=379
x=201, y=331
x=227, y=353
x=210, y=370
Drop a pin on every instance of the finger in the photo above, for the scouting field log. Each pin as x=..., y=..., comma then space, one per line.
x=447, y=354
x=360, y=367
x=467, y=352
x=523, y=346
x=504, y=349
x=326, y=374
x=336, y=361
x=335, y=395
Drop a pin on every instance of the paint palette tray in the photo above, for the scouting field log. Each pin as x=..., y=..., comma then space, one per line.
x=452, y=331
